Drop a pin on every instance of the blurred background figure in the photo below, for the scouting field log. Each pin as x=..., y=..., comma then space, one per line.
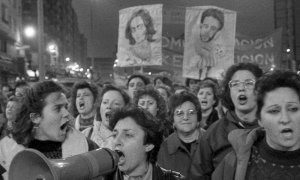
x=178, y=88
x=163, y=81
x=20, y=89
x=273, y=151
x=192, y=84
x=208, y=98
x=84, y=99
x=180, y=151
x=149, y=99
x=136, y=82
x=164, y=92
x=6, y=92
x=111, y=99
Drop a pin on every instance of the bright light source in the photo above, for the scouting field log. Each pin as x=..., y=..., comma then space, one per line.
x=149, y=73
x=81, y=69
x=68, y=59
x=288, y=50
x=115, y=65
x=29, y=31
x=52, y=48
x=30, y=73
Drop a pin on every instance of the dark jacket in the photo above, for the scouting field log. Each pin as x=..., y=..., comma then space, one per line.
x=213, y=117
x=234, y=165
x=158, y=173
x=175, y=156
x=215, y=145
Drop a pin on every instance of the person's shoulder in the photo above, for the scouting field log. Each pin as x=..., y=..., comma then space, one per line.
x=91, y=144
x=214, y=127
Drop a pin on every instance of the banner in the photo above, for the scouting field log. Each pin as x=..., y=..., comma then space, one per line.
x=140, y=35
x=209, y=41
x=265, y=51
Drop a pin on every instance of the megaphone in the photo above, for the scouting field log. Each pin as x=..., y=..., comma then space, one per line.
x=31, y=164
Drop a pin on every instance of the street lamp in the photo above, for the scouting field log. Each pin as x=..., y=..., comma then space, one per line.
x=30, y=31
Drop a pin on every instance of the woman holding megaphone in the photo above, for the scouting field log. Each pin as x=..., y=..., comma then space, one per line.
x=43, y=124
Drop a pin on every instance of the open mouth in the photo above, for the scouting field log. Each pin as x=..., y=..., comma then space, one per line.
x=107, y=115
x=287, y=130
x=121, y=157
x=120, y=153
x=81, y=104
x=64, y=126
x=204, y=102
x=242, y=99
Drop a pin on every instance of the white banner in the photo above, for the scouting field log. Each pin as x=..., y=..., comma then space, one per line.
x=140, y=36
x=209, y=41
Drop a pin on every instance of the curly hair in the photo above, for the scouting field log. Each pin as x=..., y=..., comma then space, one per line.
x=270, y=82
x=161, y=104
x=34, y=102
x=149, y=124
x=225, y=94
x=180, y=98
x=145, y=79
x=81, y=85
x=148, y=22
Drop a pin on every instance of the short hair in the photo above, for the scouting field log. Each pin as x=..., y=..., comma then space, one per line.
x=165, y=80
x=178, y=99
x=188, y=80
x=215, y=13
x=215, y=88
x=161, y=104
x=225, y=95
x=272, y=81
x=148, y=22
x=142, y=77
x=150, y=125
x=110, y=87
x=81, y=85
x=169, y=92
x=34, y=102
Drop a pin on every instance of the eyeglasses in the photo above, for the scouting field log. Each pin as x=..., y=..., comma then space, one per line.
x=180, y=113
x=248, y=84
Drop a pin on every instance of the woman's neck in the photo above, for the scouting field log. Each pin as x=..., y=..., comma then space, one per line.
x=247, y=117
x=188, y=137
x=88, y=115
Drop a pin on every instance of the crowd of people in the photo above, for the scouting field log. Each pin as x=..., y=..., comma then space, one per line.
x=245, y=126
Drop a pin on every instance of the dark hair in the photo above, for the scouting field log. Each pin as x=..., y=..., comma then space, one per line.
x=142, y=77
x=150, y=125
x=34, y=102
x=178, y=99
x=110, y=87
x=215, y=13
x=161, y=104
x=213, y=86
x=169, y=92
x=150, y=31
x=272, y=81
x=180, y=86
x=81, y=85
x=165, y=80
x=226, y=98
x=188, y=80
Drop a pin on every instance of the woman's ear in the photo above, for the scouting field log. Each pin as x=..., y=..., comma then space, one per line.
x=35, y=118
x=149, y=147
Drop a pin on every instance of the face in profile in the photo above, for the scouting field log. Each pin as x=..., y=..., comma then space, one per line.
x=53, y=122
x=209, y=28
x=111, y=100
x=12, y=108
x=138, y=29
x=280, y=117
